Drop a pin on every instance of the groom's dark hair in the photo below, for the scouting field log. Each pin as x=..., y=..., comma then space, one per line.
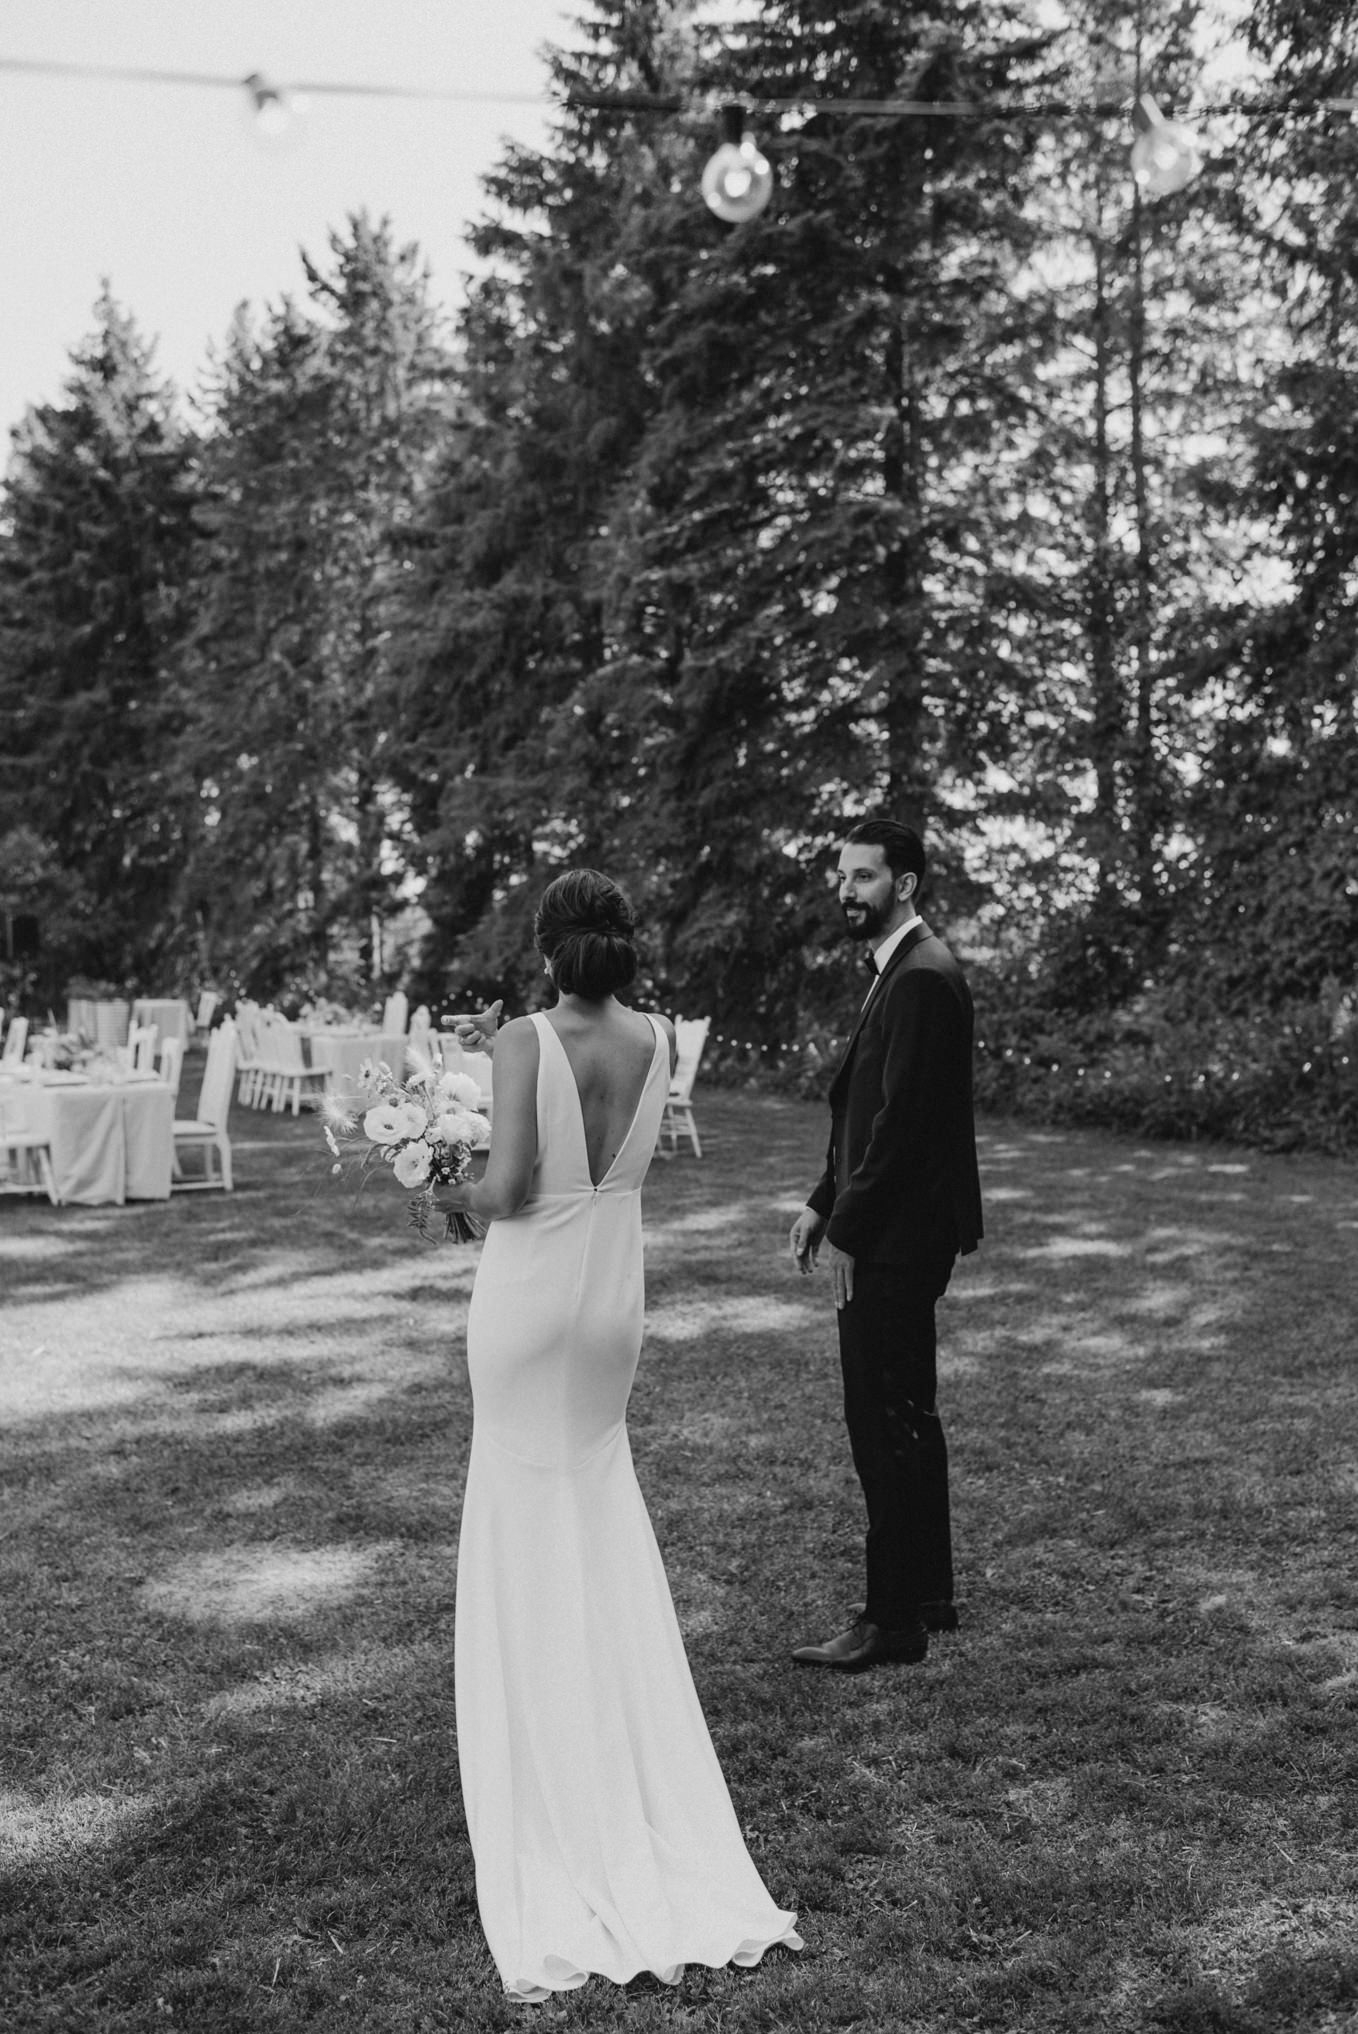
x=585, y=928
x=902, y=846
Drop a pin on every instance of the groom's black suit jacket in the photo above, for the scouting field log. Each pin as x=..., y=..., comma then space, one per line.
x=900, y=1174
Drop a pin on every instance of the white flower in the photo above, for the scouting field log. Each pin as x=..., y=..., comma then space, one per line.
x=412, y=1165
x=460, y=1088
x=384, y=1125
x=454, y=1126
x=480, y=1129
x=412, y=1117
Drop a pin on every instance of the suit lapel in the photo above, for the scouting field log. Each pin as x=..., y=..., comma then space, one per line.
x=907, y=945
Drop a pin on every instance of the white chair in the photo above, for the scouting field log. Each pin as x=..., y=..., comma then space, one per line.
x=206, y=1132
x=141, y=1043
x=249, y=1066
x=677, y=1121
x=284, y=1072
x=208, y=1000
x=25, y=1156
x=394, y=1014
x=16, y=1038
x=171, y=1063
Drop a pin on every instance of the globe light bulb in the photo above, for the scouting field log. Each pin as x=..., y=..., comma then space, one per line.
x=737, y=181
x=1165, y=155
x=273, y=115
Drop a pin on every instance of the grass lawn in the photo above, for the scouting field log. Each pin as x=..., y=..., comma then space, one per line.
x=1125, y=1796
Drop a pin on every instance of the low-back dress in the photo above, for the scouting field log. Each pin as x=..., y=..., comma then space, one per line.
x=604, y=1837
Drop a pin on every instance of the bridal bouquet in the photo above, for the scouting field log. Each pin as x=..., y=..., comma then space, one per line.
x=425, y=1129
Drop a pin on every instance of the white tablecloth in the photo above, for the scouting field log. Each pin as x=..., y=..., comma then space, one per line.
x=108, y=1144
x=102, y=1023
x=342, y=1053
x=169, y=1014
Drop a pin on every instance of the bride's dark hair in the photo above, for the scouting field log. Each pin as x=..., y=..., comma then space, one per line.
x=585, y=928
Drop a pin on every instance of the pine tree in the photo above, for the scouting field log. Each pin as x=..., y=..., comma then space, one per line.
x=504, y=626
x=709, y=596
x=94, y=542
x=1277, y=806
x=323, y=425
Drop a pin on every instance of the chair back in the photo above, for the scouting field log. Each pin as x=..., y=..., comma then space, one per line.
x=171, y=1063
x=16, y=1038
x=282, y=1047
x=214, y=1101
x=249, y=1029
x=394, y=1014
x=690, y=1035
x=141, y=1043
x=208, y=1000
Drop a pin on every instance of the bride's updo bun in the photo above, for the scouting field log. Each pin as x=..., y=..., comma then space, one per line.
x=585, y=928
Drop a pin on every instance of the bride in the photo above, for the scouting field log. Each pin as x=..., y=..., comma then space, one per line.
x=604, y=1838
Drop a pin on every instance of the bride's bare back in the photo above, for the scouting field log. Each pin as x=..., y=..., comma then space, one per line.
x=610, y=1050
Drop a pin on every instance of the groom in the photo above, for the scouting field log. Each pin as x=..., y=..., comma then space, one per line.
x=900, y=1198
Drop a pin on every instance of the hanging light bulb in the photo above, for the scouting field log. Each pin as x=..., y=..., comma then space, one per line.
x=1165, y=155
x=273, y=115
x=737, y=182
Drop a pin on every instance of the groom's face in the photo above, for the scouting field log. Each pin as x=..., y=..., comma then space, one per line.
x=867, y=890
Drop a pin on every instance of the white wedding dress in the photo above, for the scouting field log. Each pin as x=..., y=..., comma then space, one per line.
x=604, y=1837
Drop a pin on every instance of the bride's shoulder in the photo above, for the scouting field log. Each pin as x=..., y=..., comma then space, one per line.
x=518, y=1040
x=667, y=1026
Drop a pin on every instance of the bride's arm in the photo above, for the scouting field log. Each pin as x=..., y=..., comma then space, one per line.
x=503, y=1188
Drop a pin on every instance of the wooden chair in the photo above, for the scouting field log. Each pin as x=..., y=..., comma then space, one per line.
x=25, y=1156
x=394, y=1014
x=206, y=1132
x=141, y=1043
x=16, y=1038
x=677, y=1121
x=171, y=1063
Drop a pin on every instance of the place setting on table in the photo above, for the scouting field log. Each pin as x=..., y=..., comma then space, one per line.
x=107, y=1125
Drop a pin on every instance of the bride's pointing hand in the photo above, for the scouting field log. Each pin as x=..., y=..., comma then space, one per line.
x=476, y=1029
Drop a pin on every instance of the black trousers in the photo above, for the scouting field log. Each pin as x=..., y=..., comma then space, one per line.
x=888, y=1349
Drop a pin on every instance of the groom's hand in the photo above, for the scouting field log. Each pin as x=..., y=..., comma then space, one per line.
x=841, y=1271
x=807, y=1231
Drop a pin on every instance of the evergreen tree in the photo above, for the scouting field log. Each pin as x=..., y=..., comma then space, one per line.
x=505, y=623
x=1277, y=806
x=95, y=530
x=323, y=426
x=715, y=541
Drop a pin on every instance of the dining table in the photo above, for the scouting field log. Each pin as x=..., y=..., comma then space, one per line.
x=111, y=1137
x=342, y=1053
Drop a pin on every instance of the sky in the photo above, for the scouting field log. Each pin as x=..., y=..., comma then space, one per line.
x=167, y=192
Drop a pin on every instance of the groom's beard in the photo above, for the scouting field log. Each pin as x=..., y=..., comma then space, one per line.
x=866, y=921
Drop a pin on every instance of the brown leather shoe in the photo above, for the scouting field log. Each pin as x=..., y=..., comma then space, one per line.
x=865, y=1645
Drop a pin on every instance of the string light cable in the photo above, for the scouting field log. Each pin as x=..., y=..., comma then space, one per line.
x=737, y=180
x=623, y=100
